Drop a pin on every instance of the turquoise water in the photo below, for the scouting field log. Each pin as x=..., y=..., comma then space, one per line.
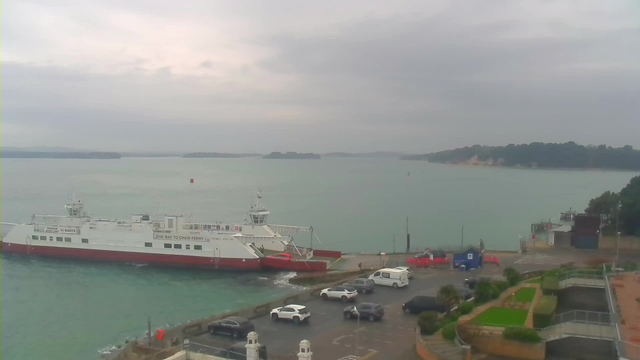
x=71, y=310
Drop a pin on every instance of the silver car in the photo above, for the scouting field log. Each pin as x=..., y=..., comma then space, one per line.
x=407, y=269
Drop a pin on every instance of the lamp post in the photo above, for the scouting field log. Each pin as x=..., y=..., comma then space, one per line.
x=618, y=232
x=355, y=310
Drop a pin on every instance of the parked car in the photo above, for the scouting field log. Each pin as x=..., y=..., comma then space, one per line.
x=296, y=313
x=408, y=270
x=344, y=293
x=234, y=326
x=437, y=254
x=390, y=277
x=364, y=286
x=284, y=256
x=423, y=303
x=369, y=311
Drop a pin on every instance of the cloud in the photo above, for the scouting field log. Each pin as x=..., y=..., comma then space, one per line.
x=357, y=76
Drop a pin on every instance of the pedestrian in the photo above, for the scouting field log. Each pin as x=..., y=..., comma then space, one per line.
x=360, y=265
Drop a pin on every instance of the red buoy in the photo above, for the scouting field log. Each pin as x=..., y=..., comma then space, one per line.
x=191, y=181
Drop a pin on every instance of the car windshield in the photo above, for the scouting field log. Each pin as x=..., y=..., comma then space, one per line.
x=370, y=282
x=378, y=307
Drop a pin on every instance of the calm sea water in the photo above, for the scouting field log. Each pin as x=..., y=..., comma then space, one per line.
x=70, y=310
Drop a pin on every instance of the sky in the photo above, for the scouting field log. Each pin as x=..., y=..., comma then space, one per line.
x=356, y=76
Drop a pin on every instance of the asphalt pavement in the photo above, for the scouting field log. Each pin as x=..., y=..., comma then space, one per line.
x=334, y=338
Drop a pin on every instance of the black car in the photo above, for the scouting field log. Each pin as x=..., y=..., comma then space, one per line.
x=234, y=326
x=369, y=311
x=423, y=303
x=472, y=282
x=365, y=286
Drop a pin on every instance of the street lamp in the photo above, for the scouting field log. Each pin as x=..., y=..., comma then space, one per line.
x=355, y=310
x=618, y=232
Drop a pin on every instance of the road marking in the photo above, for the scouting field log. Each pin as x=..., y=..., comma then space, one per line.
x=360, y=329
x=347, y=345
x=388, y=342
x=370, y=354
x=335, y=341
x=521, y=259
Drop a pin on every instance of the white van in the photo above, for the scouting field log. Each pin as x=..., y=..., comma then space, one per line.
x=390, y=277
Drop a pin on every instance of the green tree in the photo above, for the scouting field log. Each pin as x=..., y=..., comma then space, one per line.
x=512, y=275
x=605, y=205
x=630, y=209
x=448, y=295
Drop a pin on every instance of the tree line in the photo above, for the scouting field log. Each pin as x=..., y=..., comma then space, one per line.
x=537, y=154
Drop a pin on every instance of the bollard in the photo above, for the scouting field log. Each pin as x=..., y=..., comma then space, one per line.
x=305, y=350
x=253, y=347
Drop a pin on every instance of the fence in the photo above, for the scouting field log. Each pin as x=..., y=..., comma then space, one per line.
x=587, y=317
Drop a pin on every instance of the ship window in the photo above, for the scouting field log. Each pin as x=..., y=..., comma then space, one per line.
x=58, y=238
x=167, y=246
x=85, y=241
x=170, y=223
x=197, y=247
x=34, y=237
x=43, y=238
x=67, y=239
x=50, y=238
x=188, y=247
x=177, y=246
x=148, y=245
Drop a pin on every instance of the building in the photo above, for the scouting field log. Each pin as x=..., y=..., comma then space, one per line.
x=586, y=229
x=471, y=258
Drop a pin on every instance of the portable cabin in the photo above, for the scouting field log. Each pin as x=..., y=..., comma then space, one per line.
x=471, y=258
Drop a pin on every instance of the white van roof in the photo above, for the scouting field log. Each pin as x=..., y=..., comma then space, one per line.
x=392, y=270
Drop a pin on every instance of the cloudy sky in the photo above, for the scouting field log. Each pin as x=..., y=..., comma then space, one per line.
x=262, y=76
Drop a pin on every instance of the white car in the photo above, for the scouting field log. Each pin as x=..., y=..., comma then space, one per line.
x=407, y=269
x=344, y=293
x=296, y=313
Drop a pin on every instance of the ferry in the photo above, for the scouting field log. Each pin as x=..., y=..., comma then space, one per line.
x=168, y=240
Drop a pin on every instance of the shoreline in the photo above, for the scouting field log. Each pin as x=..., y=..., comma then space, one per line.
x=524, y=167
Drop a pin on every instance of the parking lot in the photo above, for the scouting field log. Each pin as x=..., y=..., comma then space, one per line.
x=333, y=337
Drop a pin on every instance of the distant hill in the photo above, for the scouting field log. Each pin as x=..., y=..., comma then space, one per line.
x=539, y=155
x=58, y=155
x=291, y=155
x=145, y=154
x=58, y=149
x=375, y=154
x=219, y=155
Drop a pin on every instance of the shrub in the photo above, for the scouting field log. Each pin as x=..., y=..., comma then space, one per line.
x=448, y=295
x=550, y=285
x=544, y=310
x=466, y=307
x=449, y=331
x=485, y=291
x=501, y=285
x=512, y=275
x=428, y=322
x=521, y=334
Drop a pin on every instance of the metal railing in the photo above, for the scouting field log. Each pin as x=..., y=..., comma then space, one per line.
x=581, y=316
x=579, y=329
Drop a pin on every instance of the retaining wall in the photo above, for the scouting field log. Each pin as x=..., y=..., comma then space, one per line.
x=626, y=243
x=497, y=345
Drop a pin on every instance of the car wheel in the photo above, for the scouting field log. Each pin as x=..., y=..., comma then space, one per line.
x=296, y=320
x=372, y=318
x=344, y=299
x=395, y=285
x=347, y=315
x=235, y=334
x=274, y=317
x=325, y=297
x=407, y=310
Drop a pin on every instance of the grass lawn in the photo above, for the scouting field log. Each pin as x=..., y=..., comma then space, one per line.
x=534, y=281
x=496, y=316
x=525, y=295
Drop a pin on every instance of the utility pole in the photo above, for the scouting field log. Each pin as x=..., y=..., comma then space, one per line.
x=394, y=243
x=408, y=236
x=462, y=238
x=617, y=234
x=149, y=328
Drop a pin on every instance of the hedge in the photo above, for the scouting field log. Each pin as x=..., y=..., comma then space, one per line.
x=544, y=310
x=466, y=307
x=501, y=285
x=428, y=322
x=449, y=331
x=521, y=334
x=550, y=285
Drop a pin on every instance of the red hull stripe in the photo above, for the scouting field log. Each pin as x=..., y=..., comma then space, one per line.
x=156, y=259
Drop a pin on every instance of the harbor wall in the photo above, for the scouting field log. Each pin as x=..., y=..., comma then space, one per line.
x=328, y=254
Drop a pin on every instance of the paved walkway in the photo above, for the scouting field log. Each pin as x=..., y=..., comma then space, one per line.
x=529, y=322
x=627, y=290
